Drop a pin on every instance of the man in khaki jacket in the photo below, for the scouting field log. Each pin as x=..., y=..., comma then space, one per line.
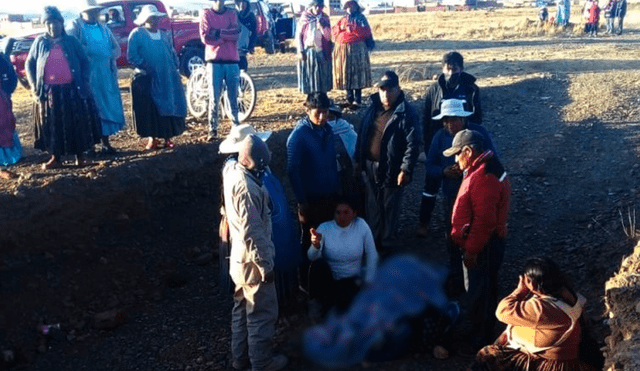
x=255, y=308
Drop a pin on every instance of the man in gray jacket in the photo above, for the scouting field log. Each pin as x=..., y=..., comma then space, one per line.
x=255, y=308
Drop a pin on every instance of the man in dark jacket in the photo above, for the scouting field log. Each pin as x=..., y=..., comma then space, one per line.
x=387, y=151
x=248, y=32
x=453, y=83
x=479, y=229
x=620, y=12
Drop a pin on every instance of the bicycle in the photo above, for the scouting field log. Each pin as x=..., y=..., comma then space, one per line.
x=198, y=93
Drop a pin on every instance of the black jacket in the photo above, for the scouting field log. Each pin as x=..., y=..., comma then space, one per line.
x=400, y=141
x=465, y=88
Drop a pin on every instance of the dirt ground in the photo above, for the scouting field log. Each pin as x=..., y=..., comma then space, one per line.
x=134, y=234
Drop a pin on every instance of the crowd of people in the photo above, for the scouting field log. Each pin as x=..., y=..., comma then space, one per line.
x=614, y=13
x=348, y=184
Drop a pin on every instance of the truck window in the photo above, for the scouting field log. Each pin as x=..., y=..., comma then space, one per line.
x=113, y=16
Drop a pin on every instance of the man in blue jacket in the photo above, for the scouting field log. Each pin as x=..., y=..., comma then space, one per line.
x=387, y=151
x=444, y=170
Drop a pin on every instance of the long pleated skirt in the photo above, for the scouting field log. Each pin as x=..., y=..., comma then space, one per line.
x=66, y=123
x=146, y=118
x=314, y=73
x=351, y=66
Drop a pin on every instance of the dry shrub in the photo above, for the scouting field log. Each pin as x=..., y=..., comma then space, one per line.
x=622, y=300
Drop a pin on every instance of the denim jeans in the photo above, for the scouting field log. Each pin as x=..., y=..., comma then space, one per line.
x=230, y=74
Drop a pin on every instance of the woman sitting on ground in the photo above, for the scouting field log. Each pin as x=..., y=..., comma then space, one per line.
x=342, y=243
x=544, y=329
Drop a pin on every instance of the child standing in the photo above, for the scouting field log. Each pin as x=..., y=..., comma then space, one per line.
x=609, y=14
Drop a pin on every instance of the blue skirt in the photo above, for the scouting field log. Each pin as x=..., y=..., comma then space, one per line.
x=9, y=156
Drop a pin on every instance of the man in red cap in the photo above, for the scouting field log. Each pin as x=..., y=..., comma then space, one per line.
x=479, y=228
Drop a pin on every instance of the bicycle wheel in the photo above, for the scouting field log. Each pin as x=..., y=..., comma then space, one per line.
x=246, y=98
x=198, y=93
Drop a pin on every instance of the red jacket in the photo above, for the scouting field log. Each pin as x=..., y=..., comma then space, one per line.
x=482, y=205
x=219, y=32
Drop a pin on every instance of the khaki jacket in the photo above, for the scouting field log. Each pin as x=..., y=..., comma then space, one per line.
x=249, y=217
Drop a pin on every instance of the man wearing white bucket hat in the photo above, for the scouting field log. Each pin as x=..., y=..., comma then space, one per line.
x=441, y=169
x=252, y=253
x=102, y=49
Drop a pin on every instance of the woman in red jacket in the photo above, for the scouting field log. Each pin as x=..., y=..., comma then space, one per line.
x=351, y=63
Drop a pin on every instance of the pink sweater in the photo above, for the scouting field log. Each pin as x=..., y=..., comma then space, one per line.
x=220, y=33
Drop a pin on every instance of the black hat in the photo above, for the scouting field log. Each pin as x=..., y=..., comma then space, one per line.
x=463, y=138
x=388, y=80
x=51, y=13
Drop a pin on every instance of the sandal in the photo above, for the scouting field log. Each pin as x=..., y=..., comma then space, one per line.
x=168, y=144
x=153, y=144
x=51, y=164
x=6, y=174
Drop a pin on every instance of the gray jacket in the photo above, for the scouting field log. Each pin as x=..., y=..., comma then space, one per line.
x=246, y=202
x=76, y=57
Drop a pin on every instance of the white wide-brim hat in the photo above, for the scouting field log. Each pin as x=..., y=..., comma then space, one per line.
x=147, y=12
x=88, y=5
x=238, y=133
x=452, y=108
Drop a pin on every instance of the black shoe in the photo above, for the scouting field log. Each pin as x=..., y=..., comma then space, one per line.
x=108, y=150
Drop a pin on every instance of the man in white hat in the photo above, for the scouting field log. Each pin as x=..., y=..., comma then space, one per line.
x=103, y=50
x=441, y=169
x=251, y=261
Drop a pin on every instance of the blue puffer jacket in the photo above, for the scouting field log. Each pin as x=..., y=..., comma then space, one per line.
x=76, y=57
x=312, y=162
x=400, y=141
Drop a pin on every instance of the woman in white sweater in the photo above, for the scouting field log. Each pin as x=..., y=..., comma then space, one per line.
x=345, y=245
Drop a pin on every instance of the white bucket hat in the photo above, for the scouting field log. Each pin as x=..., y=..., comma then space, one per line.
x=88, y=5
x=238, y=133
x=147, y=12
x=452, y=108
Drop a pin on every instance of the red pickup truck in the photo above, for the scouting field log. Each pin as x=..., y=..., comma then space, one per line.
x=119, y=16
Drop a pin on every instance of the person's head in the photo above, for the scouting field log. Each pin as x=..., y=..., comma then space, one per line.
x=90, y=11
x=452, y=63
x=237, y=134
x=316, y=6
x=148, y=17
x=254, y=154
x=317, y=106
x=351, y=6
x=345, y=212
x=242, y=5
x=389, y=89
x=453, y=115
x=467, y=145
x=543, y=275
x=52, y=19
x=114, y=15
x=217, y=5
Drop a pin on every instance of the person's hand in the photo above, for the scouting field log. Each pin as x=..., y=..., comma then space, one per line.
x=269, y=277
x=302, y=212
x=215, y=33
x=452, y=172
x=315, y=238
x=521, y=289
x=403, y=179
x=470, y=260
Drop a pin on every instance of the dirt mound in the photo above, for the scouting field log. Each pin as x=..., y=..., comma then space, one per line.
x=622, y=299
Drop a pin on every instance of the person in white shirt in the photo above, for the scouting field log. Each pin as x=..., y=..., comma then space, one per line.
x=343, y=247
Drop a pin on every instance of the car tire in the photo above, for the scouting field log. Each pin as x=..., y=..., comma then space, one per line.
x=190, y=57
x=269, y=43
